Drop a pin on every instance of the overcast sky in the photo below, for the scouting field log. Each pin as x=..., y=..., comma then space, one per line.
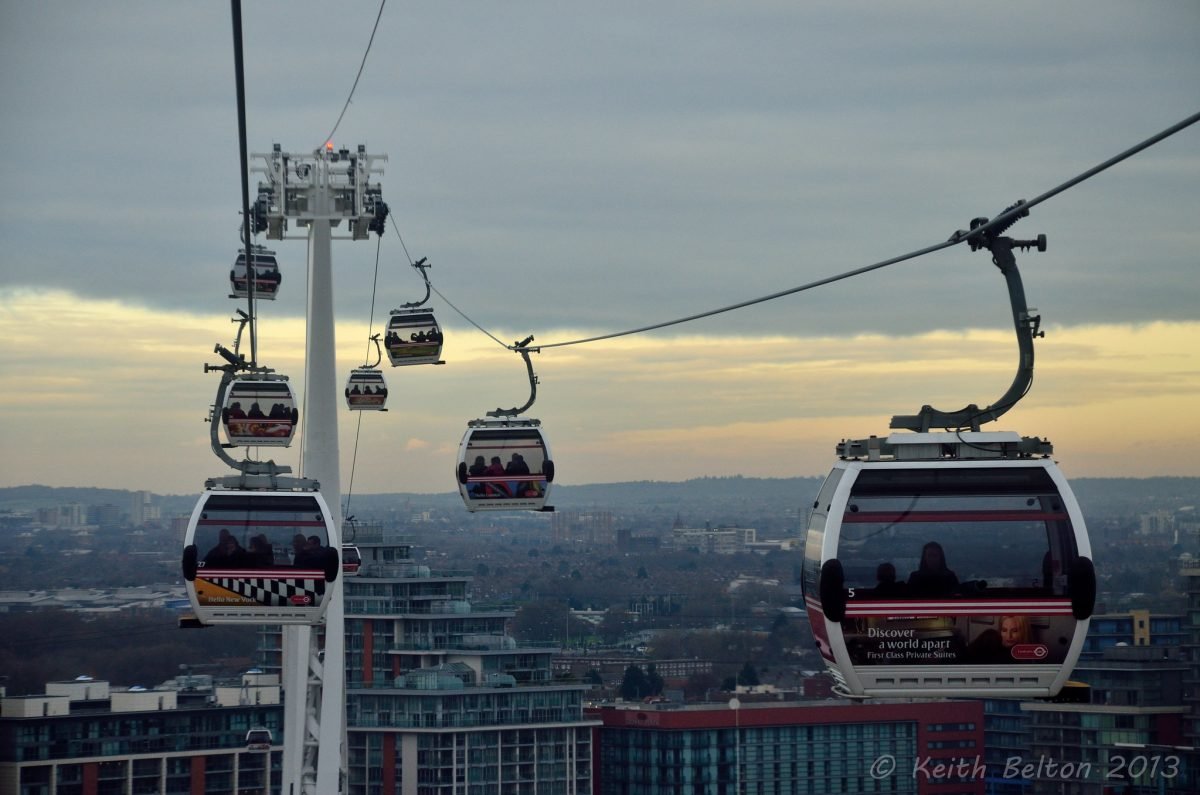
x=577, y=169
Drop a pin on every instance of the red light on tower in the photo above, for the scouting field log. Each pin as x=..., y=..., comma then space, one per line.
x=329, y=146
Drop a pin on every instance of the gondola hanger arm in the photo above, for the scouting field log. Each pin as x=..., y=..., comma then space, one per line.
x=987, y=234
x=522, y=348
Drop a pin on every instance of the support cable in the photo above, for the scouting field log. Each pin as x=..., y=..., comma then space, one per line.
x=370, y=339
x=243, y=151
x=997, y=225
x=359, y=75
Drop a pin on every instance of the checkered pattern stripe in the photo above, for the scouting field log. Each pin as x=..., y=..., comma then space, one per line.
x=275, y=591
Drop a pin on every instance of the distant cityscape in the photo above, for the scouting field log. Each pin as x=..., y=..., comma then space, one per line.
x=598, y=649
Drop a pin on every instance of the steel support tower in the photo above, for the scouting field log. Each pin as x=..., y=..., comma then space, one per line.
x=318, y=191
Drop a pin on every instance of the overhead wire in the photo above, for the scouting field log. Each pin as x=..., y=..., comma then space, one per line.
x=957, y=238
x=439, y=294
x=370, y=328
x=244, y=153
x=363, y=64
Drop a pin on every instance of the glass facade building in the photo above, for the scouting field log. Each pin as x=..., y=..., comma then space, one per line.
x=441, y=699
x=156, y=741
x=788, y=748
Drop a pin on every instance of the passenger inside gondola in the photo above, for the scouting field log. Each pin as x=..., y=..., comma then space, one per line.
x=885, y=582
x=227, y=554
x=262, y=554
x=300, y=554
x=496, y=469
x=933, y=578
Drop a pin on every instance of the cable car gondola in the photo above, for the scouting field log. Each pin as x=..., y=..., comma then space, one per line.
x=259, y=409
x=366, y=390
x=504, y=465
x=504, y=461
x=948, y=564
x=259, y=556
x=259, y=739
x=351, y=560
x=413, y=337
x=952, y=563
x=266, y=275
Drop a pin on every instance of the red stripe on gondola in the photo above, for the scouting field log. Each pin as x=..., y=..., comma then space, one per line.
x=504, y=478
x=258, y=574
x=879, y=517
x=263, y=522
x=485, y=445
x=967, y=607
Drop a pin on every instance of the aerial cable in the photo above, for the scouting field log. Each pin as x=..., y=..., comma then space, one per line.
x=763, y=299
x=438, y=292
x=1000, y=222
x=465, y=317
x=243, y=151
x=400, y=237
x=1005, y=219
x=997, y=225
x=359, y=75
x=353, y=465
x=374, y=289
x=370, y=339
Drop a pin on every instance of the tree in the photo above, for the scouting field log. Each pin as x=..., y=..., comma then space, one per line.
x=653, y=681
x=634, y=687
x=747, y=677
x=543, y=620
x=593, y=677
x=614, y=625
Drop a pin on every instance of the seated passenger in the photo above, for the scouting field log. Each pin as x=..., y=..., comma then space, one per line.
x=885, y=582
x=932, y=577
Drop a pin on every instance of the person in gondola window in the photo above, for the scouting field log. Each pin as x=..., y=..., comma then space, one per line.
x=933, y=577
x=885, y=582
x=216, y=556
x=496, y=468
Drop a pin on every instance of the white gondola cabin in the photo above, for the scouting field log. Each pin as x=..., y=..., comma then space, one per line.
x=504, y=465
x=266, y=275
x=259, y=557
x=351, y=560
x=413, y=337
x=943, y=564
x=259, y=739
x=366, y=390
x=259, y=410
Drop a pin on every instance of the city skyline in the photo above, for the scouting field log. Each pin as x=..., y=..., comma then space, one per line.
x=577, y=172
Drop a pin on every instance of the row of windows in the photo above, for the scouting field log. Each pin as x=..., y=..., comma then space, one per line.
x=951, y=727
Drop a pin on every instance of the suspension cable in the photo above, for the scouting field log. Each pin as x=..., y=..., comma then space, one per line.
x=243, y=151
x=359, y=75
x=374, y=289
x=1001, y=220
